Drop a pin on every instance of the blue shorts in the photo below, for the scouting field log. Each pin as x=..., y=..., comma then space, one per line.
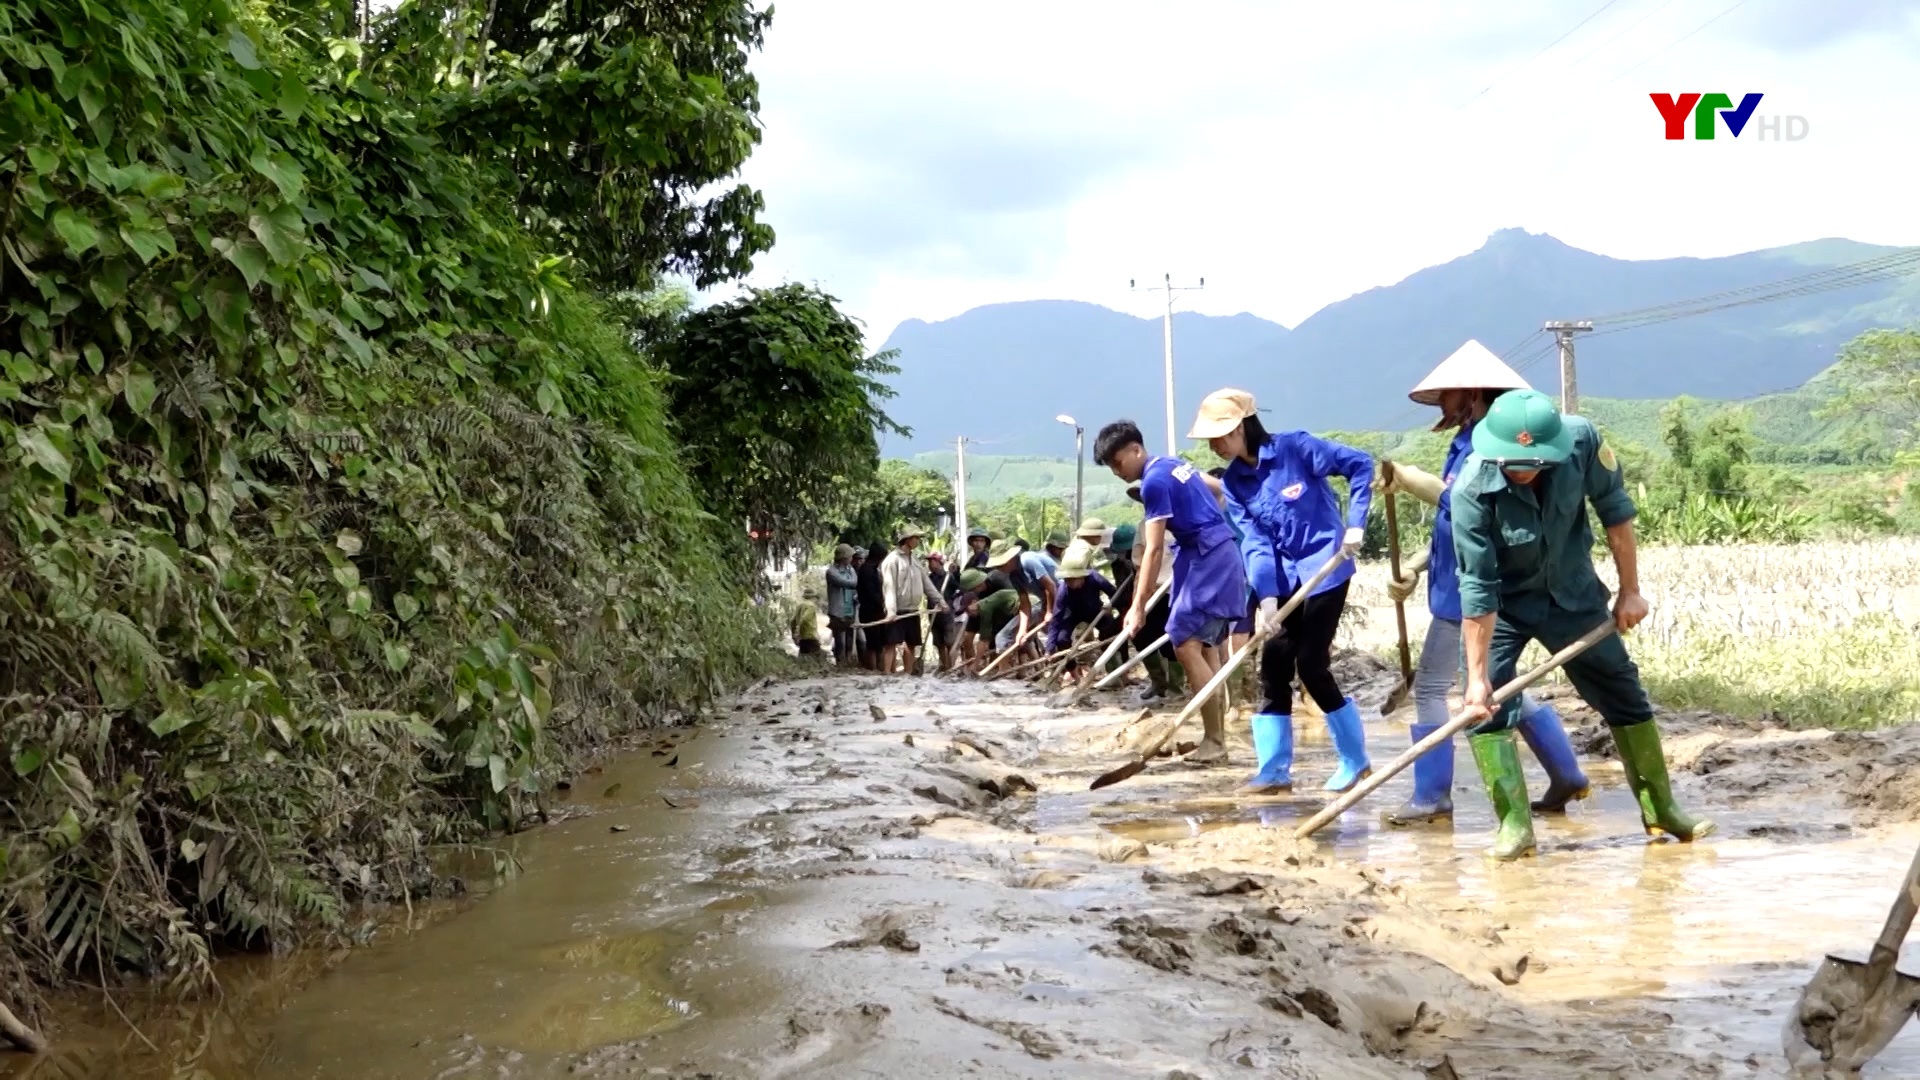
x=1212, y=632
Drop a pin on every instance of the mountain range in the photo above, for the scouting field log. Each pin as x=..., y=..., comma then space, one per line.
x=999, y=374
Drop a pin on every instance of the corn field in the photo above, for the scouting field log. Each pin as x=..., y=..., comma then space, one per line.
x=1810, y=635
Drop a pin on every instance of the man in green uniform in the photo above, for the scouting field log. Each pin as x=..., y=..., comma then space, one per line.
x=1525, y=548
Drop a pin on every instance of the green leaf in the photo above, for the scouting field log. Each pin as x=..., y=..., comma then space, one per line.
x=42, y=452
x=241, y=46
x=147, y=243
x=397, y=656
x=348, y=576
x=281, y=232
x=76, y=229
x=497, y=770
x=27, y=760
x=191, y=849
x=405, y=606
x=283, y=171
x=138, y=387
x=547, y=396
x=96, y=360
x=349, y=542
x=360, y=600
x=293, y=96
x=250, y=257
x=169, y=722
x=227, y=306
x=109, y=283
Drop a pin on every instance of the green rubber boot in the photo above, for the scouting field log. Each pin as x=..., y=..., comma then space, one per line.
x=1646, y=767
x=1499, y=761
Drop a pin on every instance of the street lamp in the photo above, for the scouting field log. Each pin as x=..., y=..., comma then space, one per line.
x=1079, y=467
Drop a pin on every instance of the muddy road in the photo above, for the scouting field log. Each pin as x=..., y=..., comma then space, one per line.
x=856, y=876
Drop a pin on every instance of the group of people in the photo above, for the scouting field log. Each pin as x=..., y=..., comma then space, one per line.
x=1221, y=553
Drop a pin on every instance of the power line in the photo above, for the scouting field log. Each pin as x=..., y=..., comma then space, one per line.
x=1895, y=259
x=1674, y=44
x=1584, y=57
x=1535, y=56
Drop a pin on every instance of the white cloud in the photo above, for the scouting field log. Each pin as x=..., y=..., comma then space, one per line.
x=923, y=159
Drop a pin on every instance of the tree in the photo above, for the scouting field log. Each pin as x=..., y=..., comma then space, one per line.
x=898, y=494
x=1878, y=373
x=779, y=407
x=621, y=120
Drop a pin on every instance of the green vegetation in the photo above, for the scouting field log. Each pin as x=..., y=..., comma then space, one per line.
x=338, y=514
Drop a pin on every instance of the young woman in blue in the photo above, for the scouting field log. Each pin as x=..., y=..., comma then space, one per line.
x=1463, y=386
x=1291, y=523
x=1209, y=584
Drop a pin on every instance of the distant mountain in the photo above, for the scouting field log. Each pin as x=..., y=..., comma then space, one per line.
x=999, y=374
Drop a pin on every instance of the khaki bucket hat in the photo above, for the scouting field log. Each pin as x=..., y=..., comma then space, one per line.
x=1220, y=413
x=1077, y=564
x=1092, y=529
x=1471, y=367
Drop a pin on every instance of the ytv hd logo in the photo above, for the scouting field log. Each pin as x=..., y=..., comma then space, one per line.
x=1707, y=108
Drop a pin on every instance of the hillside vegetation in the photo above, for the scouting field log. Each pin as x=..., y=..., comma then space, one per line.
x=338, y=509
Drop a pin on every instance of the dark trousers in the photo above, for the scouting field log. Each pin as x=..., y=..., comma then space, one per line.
x=1604, y=675
x=842, y=638
x=1305, y=646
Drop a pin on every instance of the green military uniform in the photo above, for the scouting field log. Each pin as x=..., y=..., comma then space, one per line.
x=1525, y=553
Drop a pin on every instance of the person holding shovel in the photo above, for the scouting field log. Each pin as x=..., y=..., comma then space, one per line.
x=1083, y=600
x=903, y=583
x=1278, y=492
x=1463, y=387
x=1525, y=552
x=1209, y=583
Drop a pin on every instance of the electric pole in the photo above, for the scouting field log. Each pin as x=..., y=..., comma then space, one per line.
x=960, y=500
x=1166, y=328
x=1569, y=385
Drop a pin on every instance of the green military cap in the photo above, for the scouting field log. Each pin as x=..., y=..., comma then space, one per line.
x=1523, y=428
x=1122, y=538
x=1057, y=540
x=972, y=579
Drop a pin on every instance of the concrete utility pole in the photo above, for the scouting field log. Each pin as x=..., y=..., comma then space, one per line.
x=960, y=500
x=1166, y=327
x=1569, y=385
x=1079, y=467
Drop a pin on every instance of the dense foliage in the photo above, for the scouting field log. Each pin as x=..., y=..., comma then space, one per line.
x=333, y=515
x=779, y=407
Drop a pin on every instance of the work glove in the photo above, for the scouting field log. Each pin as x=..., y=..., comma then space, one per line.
x=1399, y=589
x=1269, y=622
x=1400, y=478
x=1351, y=542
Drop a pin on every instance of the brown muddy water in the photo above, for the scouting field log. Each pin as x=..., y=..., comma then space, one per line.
x=814, y=888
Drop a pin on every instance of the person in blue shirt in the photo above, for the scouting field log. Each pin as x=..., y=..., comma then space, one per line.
x=1209, y=583
x=1278, y=494
x=1463, y=387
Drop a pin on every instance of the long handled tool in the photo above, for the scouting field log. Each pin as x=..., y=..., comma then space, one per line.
x=1447, y=730
x=1061, y=658
x=1014, y=648
x=1259, y=638
x=1399, y=695
x=1850, y=1010
x=1080, y=690
x=1086, y=630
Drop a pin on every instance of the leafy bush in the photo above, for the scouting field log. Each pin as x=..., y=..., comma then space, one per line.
x=333, y=519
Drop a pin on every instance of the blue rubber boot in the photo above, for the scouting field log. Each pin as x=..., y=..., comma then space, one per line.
x=1547, y=737
x=1432, y=783
x=1273, y=747
x=1350, y=742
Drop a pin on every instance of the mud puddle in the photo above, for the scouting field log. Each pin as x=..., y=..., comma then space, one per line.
x=864, y=877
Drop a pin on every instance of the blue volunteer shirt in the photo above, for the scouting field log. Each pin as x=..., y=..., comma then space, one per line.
x=1289, y=514
x=1176, y=491
x=1443, y=569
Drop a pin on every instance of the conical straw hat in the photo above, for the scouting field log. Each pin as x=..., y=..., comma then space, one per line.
x=1471, y=367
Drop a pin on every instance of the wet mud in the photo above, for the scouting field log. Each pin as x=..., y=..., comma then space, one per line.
x=857, y=876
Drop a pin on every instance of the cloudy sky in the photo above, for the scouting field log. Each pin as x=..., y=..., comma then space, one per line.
x=924, y=158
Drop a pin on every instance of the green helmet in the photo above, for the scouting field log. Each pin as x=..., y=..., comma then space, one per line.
x=1122, y=538
x=1523, y=428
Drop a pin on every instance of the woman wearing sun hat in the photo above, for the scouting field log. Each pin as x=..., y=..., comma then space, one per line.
x=1291, y=524
x=1463, y=387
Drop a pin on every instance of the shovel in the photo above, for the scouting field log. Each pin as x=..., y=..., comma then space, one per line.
x=1851, y=1010
x=1447, y=730
x=1037, y=626
x=1068, y=698
x=1399, y=695
x=1259, y=638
